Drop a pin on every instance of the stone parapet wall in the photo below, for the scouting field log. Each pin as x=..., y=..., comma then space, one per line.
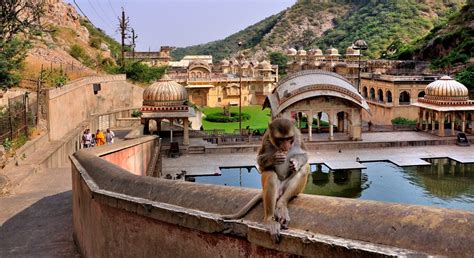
x=117, y=213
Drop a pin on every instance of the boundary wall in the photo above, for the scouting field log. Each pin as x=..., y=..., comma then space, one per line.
x=119, y=214
x=76, y=102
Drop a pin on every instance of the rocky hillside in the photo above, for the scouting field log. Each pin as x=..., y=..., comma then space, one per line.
x=68, y=42
x=450, y=43
x=337, y=23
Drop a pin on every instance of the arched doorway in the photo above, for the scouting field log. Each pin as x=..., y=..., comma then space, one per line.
x=389, y=97
x=380, y=95
x=372, y=94
x=404, y=98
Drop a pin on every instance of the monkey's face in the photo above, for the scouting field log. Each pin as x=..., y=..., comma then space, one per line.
x=284, y=144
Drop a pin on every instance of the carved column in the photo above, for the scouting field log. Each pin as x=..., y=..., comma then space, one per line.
x=186, y=131
x=441, y=124
x=463, y=117
x=331, y=128
x=453, y=118
x=310, y=125
x=433, y=125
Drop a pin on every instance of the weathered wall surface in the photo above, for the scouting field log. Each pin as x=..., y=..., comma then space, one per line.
x=116, y=213
x=134, y=158
x=74, y=103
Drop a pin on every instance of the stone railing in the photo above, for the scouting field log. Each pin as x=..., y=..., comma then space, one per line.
x=117, y=213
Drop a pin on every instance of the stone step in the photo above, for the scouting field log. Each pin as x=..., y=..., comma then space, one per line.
x=196, y=150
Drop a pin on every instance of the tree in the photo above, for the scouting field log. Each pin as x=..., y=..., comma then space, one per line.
x=279, y=59
x=18, y=20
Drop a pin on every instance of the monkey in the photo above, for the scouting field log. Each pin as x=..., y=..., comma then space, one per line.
x=284, y=168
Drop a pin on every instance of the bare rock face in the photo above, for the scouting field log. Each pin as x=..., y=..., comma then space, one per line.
x=59, y=13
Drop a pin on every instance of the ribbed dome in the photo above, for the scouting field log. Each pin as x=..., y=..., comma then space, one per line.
x=164, y=92
x=446, y=88
x=332, y=52
x=316, y=52
x=301, y=52
x=265, y=65
x=350, y=51
x=225, y=62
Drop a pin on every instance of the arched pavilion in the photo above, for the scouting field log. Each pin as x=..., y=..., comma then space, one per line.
x=446, y=101
x=312, y=92
x=167, y=99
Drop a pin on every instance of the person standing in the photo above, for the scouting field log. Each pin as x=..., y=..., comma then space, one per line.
x=109, y=136
x=99, y=138
x=87, y=138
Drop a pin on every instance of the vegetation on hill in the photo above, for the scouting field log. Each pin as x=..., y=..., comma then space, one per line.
x=448, y=44
x=309, y=23
x=221, y=49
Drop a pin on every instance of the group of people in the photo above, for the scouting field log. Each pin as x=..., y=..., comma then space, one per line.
x=99, y=138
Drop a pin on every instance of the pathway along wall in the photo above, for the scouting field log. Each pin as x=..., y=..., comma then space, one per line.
x=70, y=105
x=119, y=214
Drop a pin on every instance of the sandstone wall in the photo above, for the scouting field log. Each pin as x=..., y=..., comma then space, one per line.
x=70, y=105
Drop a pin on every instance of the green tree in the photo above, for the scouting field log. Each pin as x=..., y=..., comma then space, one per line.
x=141, y=72
x=466, y=77
x=18, y=20
x=279, y=59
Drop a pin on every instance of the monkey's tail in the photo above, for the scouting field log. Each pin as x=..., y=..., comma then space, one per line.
x=245, y=209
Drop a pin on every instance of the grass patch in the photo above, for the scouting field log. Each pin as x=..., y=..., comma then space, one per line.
x=259, y=119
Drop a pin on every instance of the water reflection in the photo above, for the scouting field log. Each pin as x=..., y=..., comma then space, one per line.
x=341, y=183
x=446, y=183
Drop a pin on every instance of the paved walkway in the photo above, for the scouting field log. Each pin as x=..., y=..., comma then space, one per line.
x=205, y=164
x=36, y=218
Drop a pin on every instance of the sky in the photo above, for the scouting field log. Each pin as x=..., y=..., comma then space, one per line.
x=179, y=23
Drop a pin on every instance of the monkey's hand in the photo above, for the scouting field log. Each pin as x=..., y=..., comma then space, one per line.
x=279, y=158
x=294, y=166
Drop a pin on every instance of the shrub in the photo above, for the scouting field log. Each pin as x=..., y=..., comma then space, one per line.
x=80, y=54
x=403, y=121
x=141, y=72
x=221, y=118
x=136, y=113
x=95, y=42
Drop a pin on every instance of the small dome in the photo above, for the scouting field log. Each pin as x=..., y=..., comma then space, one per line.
x=292, y=52
x=350, y=51
x=332, y=52
x=164, y=92
x=265, y=65
x=316, y=52
x=446, y=88
x=301, y=52
x=225, y=62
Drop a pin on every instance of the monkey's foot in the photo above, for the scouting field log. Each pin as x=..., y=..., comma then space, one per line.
x=274, y=228
x=282, y=216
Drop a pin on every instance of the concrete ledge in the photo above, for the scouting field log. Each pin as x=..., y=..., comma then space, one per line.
x=321, y=226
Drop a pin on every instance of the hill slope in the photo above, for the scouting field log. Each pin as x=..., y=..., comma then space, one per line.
x=450, y=43
x=311, y=23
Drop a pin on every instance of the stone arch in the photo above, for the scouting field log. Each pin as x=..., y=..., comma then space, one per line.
x=404, y=98
x=364, y=92
x=380, y=95
x=372, y=93
x=389, y=96
x=421, y=94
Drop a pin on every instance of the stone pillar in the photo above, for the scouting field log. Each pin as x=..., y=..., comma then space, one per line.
x=158, y=125
x=318, y=121
x=441, y=124
x=146, y=128
x=432, y=122
x=331, y=128
x=310, y=126
x=186, y=131
x=463, y=118
x=171, y=129
x=340, y=122
x=452, y=123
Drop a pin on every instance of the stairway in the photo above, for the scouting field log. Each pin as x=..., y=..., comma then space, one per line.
x=196, y=150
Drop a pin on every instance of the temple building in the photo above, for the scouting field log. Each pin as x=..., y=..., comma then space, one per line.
x=219, y=85
x=167, y=100
x=314, y=94
x=392, y=96
x=151, y=58
x=331, y=61
x=445, y=107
